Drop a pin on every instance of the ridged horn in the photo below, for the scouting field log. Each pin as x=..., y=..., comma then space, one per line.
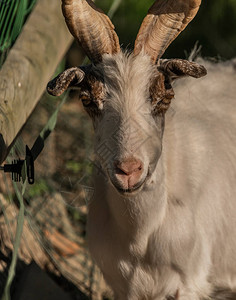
x=166, y=19
x=91, y=28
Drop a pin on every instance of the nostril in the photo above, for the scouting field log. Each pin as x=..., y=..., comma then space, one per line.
x=121, y=172
x=128, y=166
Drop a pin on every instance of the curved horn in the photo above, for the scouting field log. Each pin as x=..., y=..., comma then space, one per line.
x=164, y=22
x=91, y=27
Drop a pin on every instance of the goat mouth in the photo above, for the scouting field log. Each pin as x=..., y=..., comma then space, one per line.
x=130, y=191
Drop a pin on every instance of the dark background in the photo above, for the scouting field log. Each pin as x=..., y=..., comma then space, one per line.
x=213, y=27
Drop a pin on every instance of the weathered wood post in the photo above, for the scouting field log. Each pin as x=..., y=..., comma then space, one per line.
x=29, y=66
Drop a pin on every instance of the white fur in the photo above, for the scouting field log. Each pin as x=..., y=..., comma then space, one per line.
x=178, y=232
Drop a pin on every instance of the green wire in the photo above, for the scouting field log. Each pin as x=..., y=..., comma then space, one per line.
x=6, y=21
x=3, y=7
x=19, y=20
x=12, y=17
x=30, y=7
x=19, y=230
x=9, y=32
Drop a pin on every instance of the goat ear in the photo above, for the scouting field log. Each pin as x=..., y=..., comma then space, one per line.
x=176, y=68
x=68, y=78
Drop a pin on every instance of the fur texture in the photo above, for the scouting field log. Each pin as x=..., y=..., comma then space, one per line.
x=175, y=235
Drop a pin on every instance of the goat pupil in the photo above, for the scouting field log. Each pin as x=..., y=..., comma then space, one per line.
x=86, y=102
x=85, y=98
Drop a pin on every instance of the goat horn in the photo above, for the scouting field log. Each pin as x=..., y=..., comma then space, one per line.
x=164, y=22
x=91, y=27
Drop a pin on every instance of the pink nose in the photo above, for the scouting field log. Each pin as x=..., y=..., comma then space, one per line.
x=128, y=172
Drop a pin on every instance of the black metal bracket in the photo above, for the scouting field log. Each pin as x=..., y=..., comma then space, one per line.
x=15, y=168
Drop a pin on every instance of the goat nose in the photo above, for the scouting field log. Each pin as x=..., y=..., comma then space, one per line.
x=128, y=172
x=129, y=166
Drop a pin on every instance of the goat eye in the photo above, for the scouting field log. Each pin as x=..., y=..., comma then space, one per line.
x=86, y=100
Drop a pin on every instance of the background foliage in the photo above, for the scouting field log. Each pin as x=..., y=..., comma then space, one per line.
x=214, y=27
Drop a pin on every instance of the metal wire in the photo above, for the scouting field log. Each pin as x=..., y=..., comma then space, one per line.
x=12, y=17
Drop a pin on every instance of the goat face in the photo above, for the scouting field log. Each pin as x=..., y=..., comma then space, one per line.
x=127, y=95
x=128, y=129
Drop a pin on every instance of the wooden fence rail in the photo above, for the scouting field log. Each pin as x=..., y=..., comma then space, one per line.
x=29, y=66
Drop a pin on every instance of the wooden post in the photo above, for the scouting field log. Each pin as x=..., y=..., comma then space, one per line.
x=29, y=66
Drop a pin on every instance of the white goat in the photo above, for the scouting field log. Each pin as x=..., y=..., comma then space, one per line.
x=162, y=222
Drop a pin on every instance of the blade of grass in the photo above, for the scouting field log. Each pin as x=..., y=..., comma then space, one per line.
x=115, y=5
x=47, y=130
x=16, y=245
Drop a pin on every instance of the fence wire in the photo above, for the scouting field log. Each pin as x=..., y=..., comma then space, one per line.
x=13, y=14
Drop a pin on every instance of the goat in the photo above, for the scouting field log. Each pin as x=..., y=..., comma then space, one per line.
x=161, y=224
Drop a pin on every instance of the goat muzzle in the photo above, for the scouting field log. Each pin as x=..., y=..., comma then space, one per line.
x=128, y=173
